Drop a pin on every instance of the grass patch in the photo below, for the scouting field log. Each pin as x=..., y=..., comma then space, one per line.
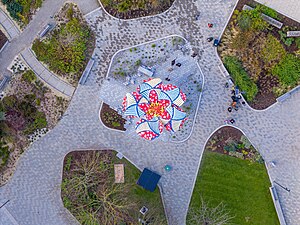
x=242, y=186
x=240, y=77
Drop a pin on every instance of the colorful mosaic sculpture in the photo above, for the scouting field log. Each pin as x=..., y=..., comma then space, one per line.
x=157, y=105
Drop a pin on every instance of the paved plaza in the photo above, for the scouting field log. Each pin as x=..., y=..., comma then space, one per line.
x=34, y=190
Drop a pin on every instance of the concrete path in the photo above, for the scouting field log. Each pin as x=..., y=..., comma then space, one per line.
x=50, y=79
x=24, y=40
x=34, y=190
x=8, y=25
x=291, y=8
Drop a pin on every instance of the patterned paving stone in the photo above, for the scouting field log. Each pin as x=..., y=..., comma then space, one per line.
x=34, y=190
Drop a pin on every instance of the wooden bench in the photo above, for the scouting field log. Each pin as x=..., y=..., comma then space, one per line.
x=119, y=173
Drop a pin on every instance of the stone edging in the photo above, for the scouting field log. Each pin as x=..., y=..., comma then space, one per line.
x=137, y=18
x=147, y=42
x=200, y=160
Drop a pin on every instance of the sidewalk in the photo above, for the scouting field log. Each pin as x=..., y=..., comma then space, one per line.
x=50, y=79
x=8, y=25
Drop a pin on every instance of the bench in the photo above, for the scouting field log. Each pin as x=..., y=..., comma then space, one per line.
x=45, y=30
x=293, y=34
x=119, y=173
x=87, y=71
x=266, y=18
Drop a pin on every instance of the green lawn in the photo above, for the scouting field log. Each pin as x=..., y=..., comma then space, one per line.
x=241, y=185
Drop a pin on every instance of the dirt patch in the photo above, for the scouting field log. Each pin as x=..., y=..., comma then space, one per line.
x=111, y=118
x=135, y=9
x=3, y=39
x=230, y=141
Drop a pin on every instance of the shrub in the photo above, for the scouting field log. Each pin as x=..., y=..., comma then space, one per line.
x=273, y=50
x=9, y=102
x=268, y=11
x=240, y=77
x=288, y=41
x=65, y=51
x=297, y=40
x=4, y=153
x=38, y=123
x=29, y=76
x=288, y=70
x=251, y=20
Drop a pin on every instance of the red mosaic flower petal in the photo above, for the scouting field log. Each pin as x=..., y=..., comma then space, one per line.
x=137, y=95
x=144, y=106
x=153, y=97
x=183, y=96
x=168, y=127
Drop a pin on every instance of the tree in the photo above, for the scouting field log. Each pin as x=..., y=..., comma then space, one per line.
x=206, y=215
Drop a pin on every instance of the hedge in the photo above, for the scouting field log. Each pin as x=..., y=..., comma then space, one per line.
x=240, y=77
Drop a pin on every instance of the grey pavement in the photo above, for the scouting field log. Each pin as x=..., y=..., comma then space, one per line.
x=8, y=25
x=34, y=190
x=50, y=79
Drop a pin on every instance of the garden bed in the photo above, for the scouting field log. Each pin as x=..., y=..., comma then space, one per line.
x=90, y=194
x=67, y=49
x=111, y=118
x=3, y=39
x=262, y=53
x=22, y=11
x=28, y=110
x=125, y=9
x=231, y=190
x=230, y=141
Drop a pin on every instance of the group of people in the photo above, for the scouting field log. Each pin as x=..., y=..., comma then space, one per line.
x=236, y=97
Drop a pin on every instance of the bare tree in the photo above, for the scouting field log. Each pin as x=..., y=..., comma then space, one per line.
x=206, y=215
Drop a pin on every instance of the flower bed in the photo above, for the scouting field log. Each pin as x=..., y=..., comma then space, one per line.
x=128, y=9
x=67, y=49
x=111, y=118
x=261, y=59
x=28, y=110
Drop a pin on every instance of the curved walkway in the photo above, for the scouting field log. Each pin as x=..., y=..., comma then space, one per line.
x=10, y=28
x=34, y=190
x=50, y=79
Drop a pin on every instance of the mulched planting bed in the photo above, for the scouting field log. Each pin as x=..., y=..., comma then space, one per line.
x=111, y=118
x=251, y=55
x=230, y=141
x=89, y=191
x=125, y=9
x=3, y=39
